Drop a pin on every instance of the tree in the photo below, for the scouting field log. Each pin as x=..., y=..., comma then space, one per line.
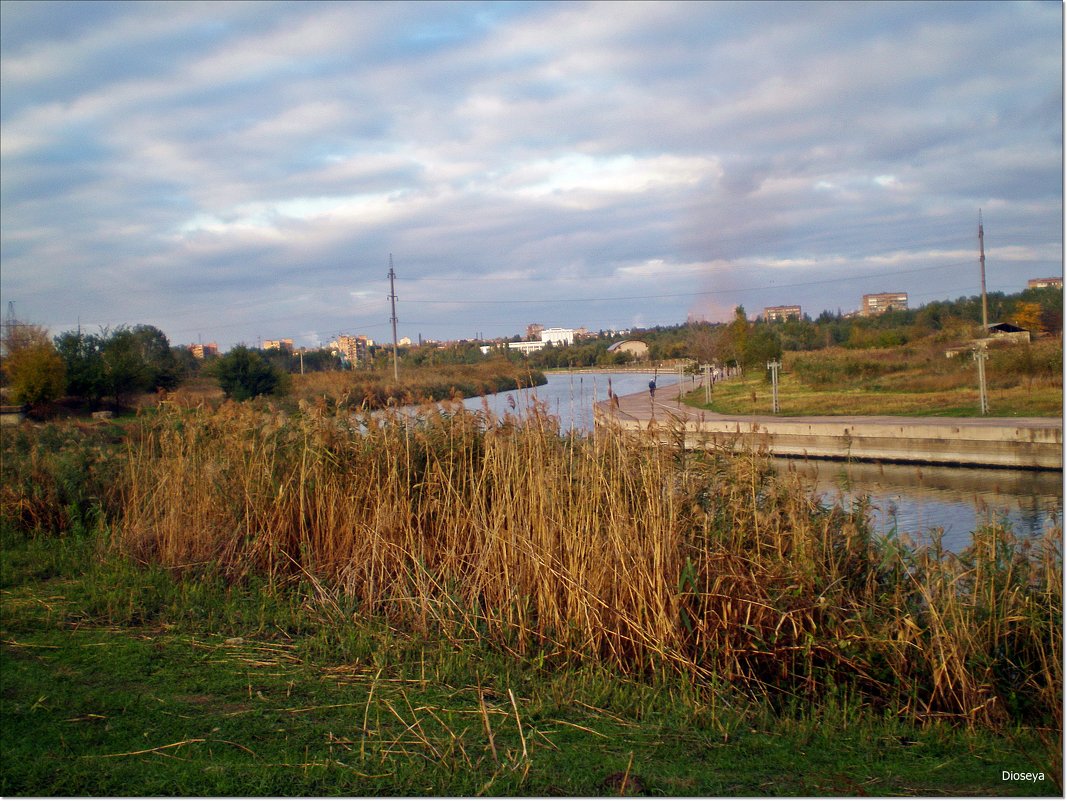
x=761, y=346
x=701, y=342
x=1028, y=316
x=33, y=369
x=244, y=373
x=162, y=370
x=125, y=368
x=83, y=357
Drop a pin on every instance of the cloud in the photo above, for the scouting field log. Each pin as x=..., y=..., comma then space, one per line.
x=251, y=166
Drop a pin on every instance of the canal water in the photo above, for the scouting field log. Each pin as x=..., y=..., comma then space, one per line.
x=908, y=499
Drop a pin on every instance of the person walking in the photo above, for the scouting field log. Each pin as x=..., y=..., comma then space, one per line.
x=652, y=390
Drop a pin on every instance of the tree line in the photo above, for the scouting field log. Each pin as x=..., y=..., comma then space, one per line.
x=117, y=364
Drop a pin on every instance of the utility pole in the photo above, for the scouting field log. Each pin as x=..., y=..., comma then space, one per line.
x=9, y=324
x=707, y=383
x=392, y=300
x=980, y=356
x=773, y=367
x=981, y=261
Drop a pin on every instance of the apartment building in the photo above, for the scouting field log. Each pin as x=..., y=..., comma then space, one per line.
x=352, y=349
x=278, y=344
x=200, y=350
x=1042, y=283
x=773, y=313
x=882, y=302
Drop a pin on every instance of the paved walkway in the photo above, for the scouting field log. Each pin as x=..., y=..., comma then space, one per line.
x=1029, y=442
x=668, y=407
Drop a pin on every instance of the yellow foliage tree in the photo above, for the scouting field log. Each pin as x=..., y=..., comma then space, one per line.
x=33, y=369
x=1028, y=315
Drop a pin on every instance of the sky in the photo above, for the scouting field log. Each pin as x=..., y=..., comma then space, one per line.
x=231, y=172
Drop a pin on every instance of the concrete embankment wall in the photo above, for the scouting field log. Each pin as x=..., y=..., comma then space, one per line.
x=1035, y=444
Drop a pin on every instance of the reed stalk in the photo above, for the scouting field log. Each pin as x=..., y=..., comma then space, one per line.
x=612, y=548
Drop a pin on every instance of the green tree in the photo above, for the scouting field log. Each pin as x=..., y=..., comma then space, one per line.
x=125, y=369
x=163, y=370
x=243, y=373
x=83, y=357
x=761, y=346
x=33, y=369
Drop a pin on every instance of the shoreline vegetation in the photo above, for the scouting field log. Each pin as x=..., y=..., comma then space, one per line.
x=1024, y=381
x=377, y=389
x=315, y=601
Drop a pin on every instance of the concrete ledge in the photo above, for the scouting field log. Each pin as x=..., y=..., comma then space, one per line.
x=1033, y=443
x=12, y=415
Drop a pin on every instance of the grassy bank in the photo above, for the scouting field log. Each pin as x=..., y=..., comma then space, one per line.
x=455, y=605
x=122, y=679
x=1022, y=381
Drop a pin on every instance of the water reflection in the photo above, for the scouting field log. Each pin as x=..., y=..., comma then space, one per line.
x=916, y=498
x=570, y=396
x=905, y=498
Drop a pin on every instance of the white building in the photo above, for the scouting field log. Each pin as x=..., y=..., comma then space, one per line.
x=526, y=347
x=558, y=336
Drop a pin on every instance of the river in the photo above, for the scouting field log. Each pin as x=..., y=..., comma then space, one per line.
x=904, y=498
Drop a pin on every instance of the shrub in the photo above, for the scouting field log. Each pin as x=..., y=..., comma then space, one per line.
x=243, y=373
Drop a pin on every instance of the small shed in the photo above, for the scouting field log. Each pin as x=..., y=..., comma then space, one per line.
x=1007, y=331
x=635, y=347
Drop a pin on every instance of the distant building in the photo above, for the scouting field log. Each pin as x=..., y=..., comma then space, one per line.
x=352, y=349
x=1009, y=332
x=882, y=302
x=199, y=351
x=527, y=347
x=533, y=331
x=558, y=336
x=635, y=347
x=278, y=344
x=1042, y=283
x=404, y=342
x=772, y=313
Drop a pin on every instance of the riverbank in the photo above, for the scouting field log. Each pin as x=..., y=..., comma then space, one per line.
x=377, y=389
x=454, y=605
x=1028, y=443
x=1022, y=381
x=123, y=680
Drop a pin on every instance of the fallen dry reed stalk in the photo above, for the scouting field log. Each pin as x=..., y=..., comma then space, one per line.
x=607, y=547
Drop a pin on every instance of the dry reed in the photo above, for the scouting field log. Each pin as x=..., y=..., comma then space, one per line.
x=602, y=547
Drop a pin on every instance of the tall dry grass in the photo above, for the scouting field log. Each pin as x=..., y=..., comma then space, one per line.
x=377, y=389
x=604, y=547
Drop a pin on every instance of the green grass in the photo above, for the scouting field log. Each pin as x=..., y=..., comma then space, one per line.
x=913, y=380
x=752, y=394
x=119, y=679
